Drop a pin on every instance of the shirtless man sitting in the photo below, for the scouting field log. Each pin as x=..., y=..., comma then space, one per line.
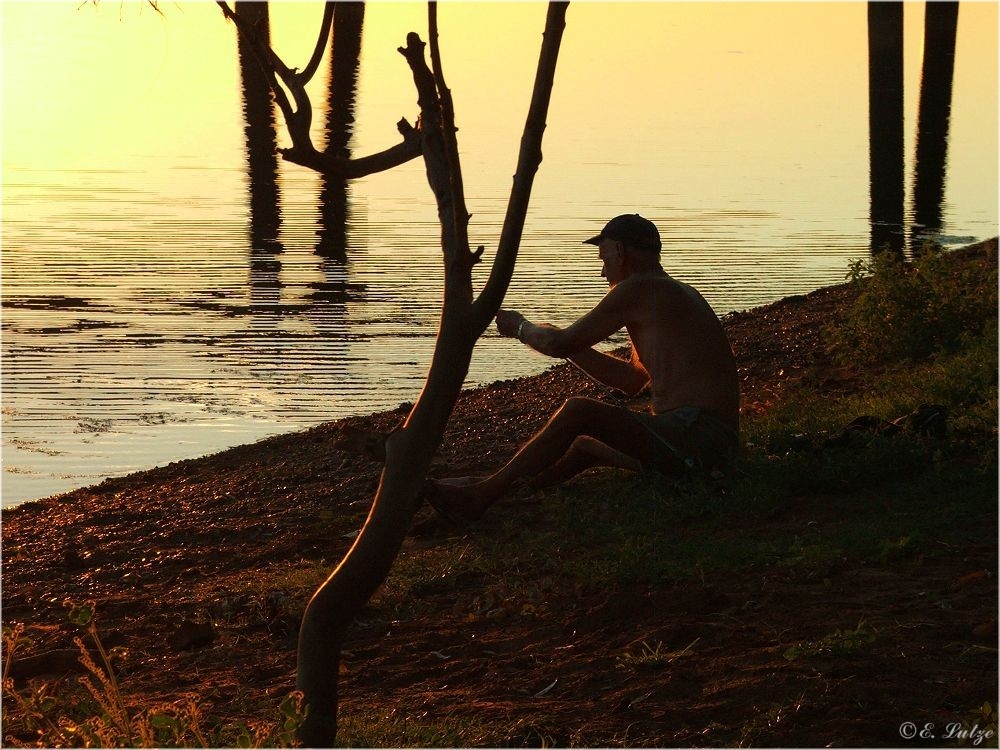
x=679, y=349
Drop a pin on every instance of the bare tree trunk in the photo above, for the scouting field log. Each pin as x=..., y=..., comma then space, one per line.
x=409, y=450
x=885, y=124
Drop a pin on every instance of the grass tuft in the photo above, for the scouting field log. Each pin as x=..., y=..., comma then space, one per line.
x=101, y=716
x=838, y=643
x=654, y=657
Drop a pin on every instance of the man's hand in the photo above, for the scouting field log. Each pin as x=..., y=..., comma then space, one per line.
x=508, y=321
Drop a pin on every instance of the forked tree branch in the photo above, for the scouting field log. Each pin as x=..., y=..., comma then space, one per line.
x=329, y=8
x=347, y=169
x=260, y=51
x=298, y=116
x=437, y=126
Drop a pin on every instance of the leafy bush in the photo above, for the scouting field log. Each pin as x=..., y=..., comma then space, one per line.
x=912, y=310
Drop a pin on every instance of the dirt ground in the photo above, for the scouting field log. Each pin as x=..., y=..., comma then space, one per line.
x=182, y=544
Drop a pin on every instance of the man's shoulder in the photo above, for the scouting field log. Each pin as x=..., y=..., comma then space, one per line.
x=659, y=280
x=662, y=296
x=649, y=286
x=630, y=292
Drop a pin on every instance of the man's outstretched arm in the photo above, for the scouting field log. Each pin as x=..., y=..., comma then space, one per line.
x=575, y=342
x=625, y=375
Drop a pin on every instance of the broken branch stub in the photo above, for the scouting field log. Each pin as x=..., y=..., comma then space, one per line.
x=460, y=215
x=443, y=174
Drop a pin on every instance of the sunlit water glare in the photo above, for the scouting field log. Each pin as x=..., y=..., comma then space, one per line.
x=140, y=325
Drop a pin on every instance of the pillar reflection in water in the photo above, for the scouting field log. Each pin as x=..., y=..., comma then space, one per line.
x=885, y=124
x=262, y=163
x=348, y=21
x=940, y=28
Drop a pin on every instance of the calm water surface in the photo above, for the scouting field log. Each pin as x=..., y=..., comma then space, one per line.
x=141, y=325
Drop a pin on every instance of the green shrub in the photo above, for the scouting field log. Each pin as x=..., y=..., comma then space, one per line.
x=911, y=310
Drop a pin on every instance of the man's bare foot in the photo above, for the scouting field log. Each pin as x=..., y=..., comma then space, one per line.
x=458, y=499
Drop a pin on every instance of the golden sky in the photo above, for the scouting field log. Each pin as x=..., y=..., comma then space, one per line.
x=101, y=85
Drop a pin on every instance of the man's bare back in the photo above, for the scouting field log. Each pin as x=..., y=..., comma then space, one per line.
x=680, y=342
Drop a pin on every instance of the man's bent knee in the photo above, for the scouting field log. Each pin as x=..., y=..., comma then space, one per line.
x=577, y=406
x=585, y=444
x=602, y=454
x=568, y=410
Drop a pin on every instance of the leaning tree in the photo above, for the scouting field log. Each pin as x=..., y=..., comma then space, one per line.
x=464, y=317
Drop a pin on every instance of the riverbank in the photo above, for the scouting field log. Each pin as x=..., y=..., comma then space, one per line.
x=834, y=593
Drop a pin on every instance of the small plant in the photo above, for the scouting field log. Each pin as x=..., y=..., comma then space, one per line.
x=116, y=721
x=34, y=708
x=654, y=657
x=980, y=730
x=982, y=726
x=838, y=643
x=107, y=720
x=901, y=546
x=266, y=734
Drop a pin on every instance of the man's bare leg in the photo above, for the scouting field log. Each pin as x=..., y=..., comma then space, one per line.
x=585, y=453
x=616, y=439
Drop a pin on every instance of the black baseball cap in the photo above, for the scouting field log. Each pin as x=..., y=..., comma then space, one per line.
x=631, y=229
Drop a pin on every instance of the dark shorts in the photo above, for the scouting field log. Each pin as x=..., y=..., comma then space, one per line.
x=688, y=439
